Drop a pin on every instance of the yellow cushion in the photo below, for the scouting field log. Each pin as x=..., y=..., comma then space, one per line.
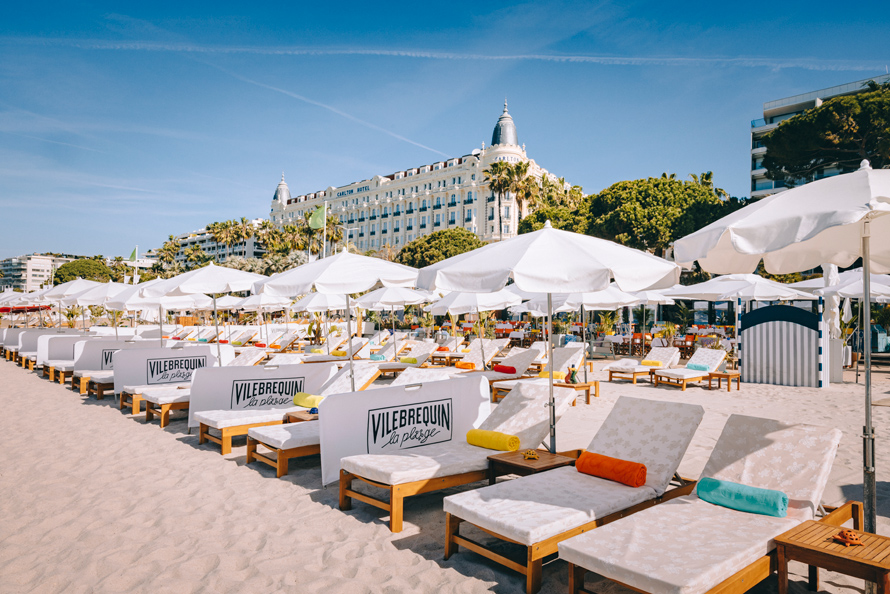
x=307, y=400
x=493, y=440
x=339, y=353
x=557, y=375
x=649, y=363
x=465, y=350
x=237, y=343
x=412, y=360
x=274, y=346
x=316, y=351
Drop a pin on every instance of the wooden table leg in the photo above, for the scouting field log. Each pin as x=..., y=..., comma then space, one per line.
x=782, y=567
x=813, y=575
x=729, y=384
x=884, y=584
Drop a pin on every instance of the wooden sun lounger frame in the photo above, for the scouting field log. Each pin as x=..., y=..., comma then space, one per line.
x=498, y=393
x=535, y=553
x=162, y=411
x=398, y=493
x=678, y=382
x=748, y=577
x=99, y=388
x=632, y=375
x=284, y=456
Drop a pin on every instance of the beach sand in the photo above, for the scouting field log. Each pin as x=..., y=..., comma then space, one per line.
x=93, y=500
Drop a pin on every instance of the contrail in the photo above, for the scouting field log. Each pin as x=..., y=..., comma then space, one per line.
x=743, y=61
x=329, y=108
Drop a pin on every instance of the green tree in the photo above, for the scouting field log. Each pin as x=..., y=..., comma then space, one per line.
x=841, y=132
x=438, y=246
x=195, y=257
x=561, y=217
x=650, y=213
x=499, y=179
x=528, y=195
x=85, y=268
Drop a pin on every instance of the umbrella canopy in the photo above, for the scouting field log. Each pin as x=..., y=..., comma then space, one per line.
x=227, y=302
x=9, y=295
x=610, y=299
x=392, y=297
x=318, y=302
x=834, y=220
x=97, y=295
x=458, y=302
x=264, y=302
x=855, y=289
x=340, y=274
x=652, y=298
x=842, y=279
x=746, y=287
x=72, y=287
x=550, y=261
x=209, y=279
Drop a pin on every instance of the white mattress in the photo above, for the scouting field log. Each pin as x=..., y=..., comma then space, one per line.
x=285, y=437
x=652, y=551
x=539, y=506
x=437, y=460
x=60, y=364
x=167, y=395
x=682, y=373
x=104, y=375
x=633, y=369
x=141, y=388
x=219, y=419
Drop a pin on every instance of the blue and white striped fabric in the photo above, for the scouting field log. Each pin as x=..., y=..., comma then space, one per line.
x=781, y=346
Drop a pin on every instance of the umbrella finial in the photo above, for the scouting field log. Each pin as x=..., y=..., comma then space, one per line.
x=864, y=165
x=547, y=225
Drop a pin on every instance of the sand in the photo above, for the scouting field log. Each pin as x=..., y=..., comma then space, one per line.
x=94, y=500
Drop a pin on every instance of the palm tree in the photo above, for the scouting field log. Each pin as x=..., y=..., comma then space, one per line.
x=195, y=256
x=498, y=178
x=310, y=239
x=334, y=234
x=529, y=194
x=517, y=174
x=706, y=180
x=668, y=176
x=386, y=252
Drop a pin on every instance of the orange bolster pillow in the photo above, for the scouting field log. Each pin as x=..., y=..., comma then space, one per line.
x=504, y=369
x=465, y=365
x=259, y=344
x=442, y=349
x=632, y=474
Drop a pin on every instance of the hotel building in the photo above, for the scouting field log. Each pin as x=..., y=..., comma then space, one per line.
x=31, y=272
x=397, y=208
x=782, y=109
x=204, y=239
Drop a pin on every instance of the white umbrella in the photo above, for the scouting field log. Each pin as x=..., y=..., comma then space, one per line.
x=393, y=298
x=262, y=304
x=227, y=302
x=342, y=274
x=72, y=287
x=856, y=289
x=747, y=287
x=318, y=303
x=98, y=295
x=834, y=220
x=208, y=279
x=843, y=278
x=129, y=299
x=550, y=261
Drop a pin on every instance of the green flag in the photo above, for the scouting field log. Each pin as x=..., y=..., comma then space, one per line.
x=133, y=255
x=316, y=221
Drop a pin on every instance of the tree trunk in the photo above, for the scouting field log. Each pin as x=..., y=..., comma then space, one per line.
x=499, y=219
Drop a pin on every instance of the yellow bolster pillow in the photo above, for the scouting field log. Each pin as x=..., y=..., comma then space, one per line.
x=649, y=363
x=339, y=353
x=557, y=375
x=237, y=343
x=465, y=350
x=307, y=400
x=493, y=440
x=412, y=360
x=465, y=365
x=316, y=351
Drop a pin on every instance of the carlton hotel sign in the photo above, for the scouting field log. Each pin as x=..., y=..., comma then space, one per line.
x=351, y=191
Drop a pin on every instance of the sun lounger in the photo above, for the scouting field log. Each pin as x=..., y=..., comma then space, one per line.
x=710, y=358
x=541, y=510
x=519, y=359
x=296, y=440
x=564, y=359
x=632, y=369
x=731, y=551
x=162, y=397
x=421, y=375
x=357, y=344
x=421, y=351
x=232, y=423
x=523, y=413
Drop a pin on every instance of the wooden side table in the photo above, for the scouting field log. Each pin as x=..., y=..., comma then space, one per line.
x=812, y=543
x=514, y=463
x=298, y=416
x=728, y=376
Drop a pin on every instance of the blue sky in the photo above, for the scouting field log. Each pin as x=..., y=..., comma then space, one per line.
x=121, y=125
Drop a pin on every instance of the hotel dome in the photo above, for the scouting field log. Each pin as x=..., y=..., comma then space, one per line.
x=504, y=130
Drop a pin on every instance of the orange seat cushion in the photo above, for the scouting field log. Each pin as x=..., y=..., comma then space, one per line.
x=465, y=365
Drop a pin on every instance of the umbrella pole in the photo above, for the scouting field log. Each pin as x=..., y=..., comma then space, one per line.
x=161, y=324
x=550, y=374
x=349, y=342
x=395, y=343
x=481, y=338
x=868, y=444
x=584, y=340
x=216, y=327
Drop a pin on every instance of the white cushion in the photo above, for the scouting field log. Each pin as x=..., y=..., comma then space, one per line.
x=103, y=376
x=167, y=395
x=441, y=459
x=60, y=364
x=538, y=506
x=632, y=369
x=681, y=373
x=218, y=419
x=140, y=388
x=285, y=437
x=648, y=550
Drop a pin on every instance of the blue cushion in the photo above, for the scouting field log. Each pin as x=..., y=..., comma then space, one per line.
x=697, y=367
x=754, y=500
x=376, y=357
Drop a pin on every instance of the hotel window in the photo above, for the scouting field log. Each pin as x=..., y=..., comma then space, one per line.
x=506, y=212
x=451, y=219
x=473, y=177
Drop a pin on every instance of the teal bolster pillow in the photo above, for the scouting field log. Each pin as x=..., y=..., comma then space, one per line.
x=697, y=367
x=754, y=500
x=376, y=357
